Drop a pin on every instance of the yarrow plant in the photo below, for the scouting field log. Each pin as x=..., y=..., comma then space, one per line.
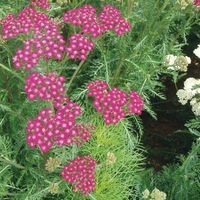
x=83, y=84
x=57, y=125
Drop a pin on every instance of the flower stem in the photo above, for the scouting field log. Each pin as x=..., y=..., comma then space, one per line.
x=129, y=8
x=44, y=159
x=12, y=72
x=92, y=197
x=118, y=71
x=74, y=75
x=5, y=160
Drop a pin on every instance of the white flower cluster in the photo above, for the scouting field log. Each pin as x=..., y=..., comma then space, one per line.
x=177, y=63
x=156, y=194
x=197, y=51
x=184, y=3
x=190, y=92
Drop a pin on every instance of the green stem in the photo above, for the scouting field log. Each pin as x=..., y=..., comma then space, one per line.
x=117, y=73
x=181, y=169
x=92, y=197
x=107, y=72
x=75, y=73
x=11, y=163
x=45, y=156
x=129, y=7
x=12, y=72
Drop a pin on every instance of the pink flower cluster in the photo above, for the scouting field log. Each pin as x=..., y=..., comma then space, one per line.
x=60, y=128
x=28, y=19
x=40, y=3
x=47, y=42
x=86, y=17
x=46, y=46
x=79, y=16
x=46, y=87
x=196, y=2
x=114, y=104
x=81, y=173
x=79, y=47
x=91, y=23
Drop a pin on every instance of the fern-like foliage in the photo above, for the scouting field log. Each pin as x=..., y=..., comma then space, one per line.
x=194, y=126
x=178, y=181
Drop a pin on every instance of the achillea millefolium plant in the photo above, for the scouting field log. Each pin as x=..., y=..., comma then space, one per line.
x=75, y=76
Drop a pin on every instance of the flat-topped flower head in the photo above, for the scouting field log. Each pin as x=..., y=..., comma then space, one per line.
x=80, y=172
x=37, y=134
x=196, y=2
x=91, y=23
x=49, y=45
x=96, y=88
x=27, y=20
x=122, y=27
x=46, y=87
x=114, y=104
x=79, y=16
x=79, y=47
x=58, y=127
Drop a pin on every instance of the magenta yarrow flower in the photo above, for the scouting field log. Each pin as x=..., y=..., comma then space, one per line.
x=93, y=27
x=28, y=19
x=122, y=26
x=80, y=172
x=135, y=103
x=114, y=104
x=79, y=16
x=79, y=47
x=97, y=88
x=108, y=19
x=110, y=104
x=196, y=2
x=49, y=45
x=61, y=101
x=40, y=3
x=57, y=128
x=46, y=87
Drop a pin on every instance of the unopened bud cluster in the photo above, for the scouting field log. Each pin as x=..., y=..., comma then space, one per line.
x=52, y=164
x=114, y=104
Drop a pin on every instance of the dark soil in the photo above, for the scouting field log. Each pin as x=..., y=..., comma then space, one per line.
x=166, y=138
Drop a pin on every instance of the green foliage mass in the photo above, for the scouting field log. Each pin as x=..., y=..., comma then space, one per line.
x=133, y=61
x=178, y=181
